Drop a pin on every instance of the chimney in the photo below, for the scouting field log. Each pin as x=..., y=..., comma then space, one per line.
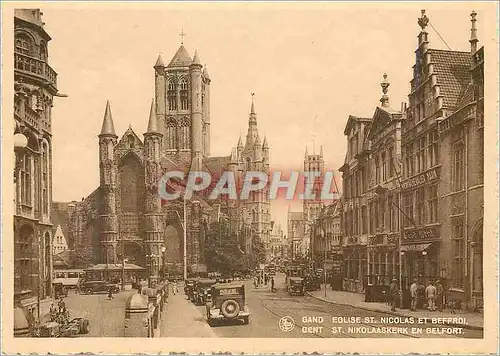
x=473, y=33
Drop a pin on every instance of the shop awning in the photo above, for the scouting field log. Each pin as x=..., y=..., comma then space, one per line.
x=415, y=247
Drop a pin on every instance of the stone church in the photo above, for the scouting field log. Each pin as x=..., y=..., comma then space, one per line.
x=124, y=218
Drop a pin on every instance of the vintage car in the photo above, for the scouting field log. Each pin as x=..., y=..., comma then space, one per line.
x=189, y=287
x=59, y=290
x=228, y=303
x=313, y=282
x=203, y=289
x=296, y=286
x=63, y=329
x=91, y=287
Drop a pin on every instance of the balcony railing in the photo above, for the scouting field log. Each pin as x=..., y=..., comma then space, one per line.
x=35, y=66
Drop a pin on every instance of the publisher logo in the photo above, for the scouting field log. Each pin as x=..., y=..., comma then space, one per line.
x=286, y=324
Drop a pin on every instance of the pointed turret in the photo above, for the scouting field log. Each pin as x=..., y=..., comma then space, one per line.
x=321, y=151
x=252, y=127
x=265, y=145
x=196, y=60
x=257, y=141
x=159, y=62
x=240, y=142
x=153, y=121
x=108, y=128
x=306, y=154
x=205, y=73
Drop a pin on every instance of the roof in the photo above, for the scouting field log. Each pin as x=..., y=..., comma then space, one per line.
x=108, y=128
x=452, y=69
x=227, y=285
x=114, y=267
x=159, y=62
x=59, y=216
x=181, y=58
x=62, y=259
x=153, y=121
x=353, y=119
x=216, y=164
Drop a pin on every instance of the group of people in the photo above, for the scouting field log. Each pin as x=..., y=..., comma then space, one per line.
x=434, y=294
x=60, y=313
x=267, y=279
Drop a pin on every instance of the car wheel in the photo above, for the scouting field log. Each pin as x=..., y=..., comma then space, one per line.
x=230, y=308
x=84, y=326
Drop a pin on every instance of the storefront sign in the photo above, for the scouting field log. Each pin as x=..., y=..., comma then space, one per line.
x=420, y=179
x=421, y=234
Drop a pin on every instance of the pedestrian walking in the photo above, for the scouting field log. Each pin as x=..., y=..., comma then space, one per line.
x=430, y=293
x=439, y=295
x=414, y=294
x=272, y=284
x=394, y=294
x=110, y=293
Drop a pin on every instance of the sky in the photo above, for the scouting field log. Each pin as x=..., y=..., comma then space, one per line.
x=309, y=65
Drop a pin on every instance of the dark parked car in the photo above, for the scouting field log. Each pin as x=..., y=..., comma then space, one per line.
x=228, y=303
x=91, y=287
x=189, y=287
x=203, y=288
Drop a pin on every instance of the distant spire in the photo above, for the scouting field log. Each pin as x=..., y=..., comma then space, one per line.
x=321, y=150
x=385, y=87
x=306, y=154
x=196, y=59
x=473, y=33
x=159, y=62
x=240, y=142
x=265, y=145
x=153, y=122
x=108, y=128
x=253, y=116
x=205, y=72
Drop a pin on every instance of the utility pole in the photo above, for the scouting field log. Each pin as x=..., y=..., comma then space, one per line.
x=185, y=237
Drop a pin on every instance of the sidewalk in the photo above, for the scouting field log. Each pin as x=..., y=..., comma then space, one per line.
x=356, y=300
x=182, y=319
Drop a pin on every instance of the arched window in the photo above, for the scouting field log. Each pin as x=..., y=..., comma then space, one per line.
x=24, y=44
x=184, y=94
x=172, y=95
x=25, y=180
x=457, y=171
x=171, y=134
x=25, y=250
x=185, y=134
x=131, y=141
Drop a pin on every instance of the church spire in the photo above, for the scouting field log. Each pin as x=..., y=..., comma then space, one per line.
x=240, y=142
x=265, y=145
x=108, y=128
x=306, y=154
x=196, y=59
x=159, y=62
x=153, y=121
x=473, y=33
x=253, y=115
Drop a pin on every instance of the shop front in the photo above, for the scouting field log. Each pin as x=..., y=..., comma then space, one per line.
x=354, y=268
x=419, y=255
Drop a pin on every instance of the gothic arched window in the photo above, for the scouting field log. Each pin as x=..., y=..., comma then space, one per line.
x=172, y=95
x=131, y=141
x=24, y=44
x=185, y=134
x=171, y=134
x=184, y=94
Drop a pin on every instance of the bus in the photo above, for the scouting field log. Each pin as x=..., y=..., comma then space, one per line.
x=68, y=277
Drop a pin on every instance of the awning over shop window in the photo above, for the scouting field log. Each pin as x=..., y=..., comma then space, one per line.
x=415, y=247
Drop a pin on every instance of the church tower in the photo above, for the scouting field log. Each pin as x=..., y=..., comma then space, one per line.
x=153, y=219
x=311, y=207
x=107, y=169
x=182, y=94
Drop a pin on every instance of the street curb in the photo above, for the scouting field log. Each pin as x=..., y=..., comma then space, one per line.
x=466, y=326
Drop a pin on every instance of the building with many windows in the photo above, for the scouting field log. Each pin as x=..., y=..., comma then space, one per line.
x=35, y=86
x=443, y=164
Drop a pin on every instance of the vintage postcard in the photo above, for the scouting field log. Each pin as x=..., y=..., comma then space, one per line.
x=249, y=177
